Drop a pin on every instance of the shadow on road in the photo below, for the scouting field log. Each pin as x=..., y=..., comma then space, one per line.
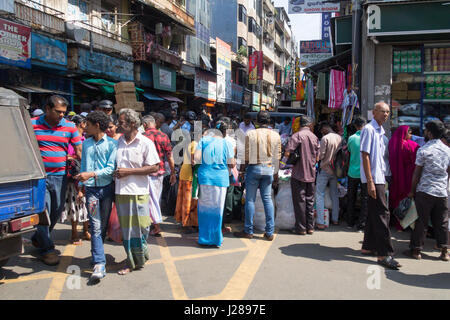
x=431, y=281
x=323, y=253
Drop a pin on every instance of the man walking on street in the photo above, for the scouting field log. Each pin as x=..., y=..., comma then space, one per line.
x=98, y=163
x=377, y=236
x=429, y=190
x=247, y=124
x=304, y=175
x=54, y=134
x=354, y=179
x=262, y=153
x=164, y=149
x=328, y=146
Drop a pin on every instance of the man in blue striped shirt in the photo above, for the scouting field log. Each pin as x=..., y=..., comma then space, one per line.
x=98, y=162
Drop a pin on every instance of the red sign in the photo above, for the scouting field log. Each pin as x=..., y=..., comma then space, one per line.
x=15, y=44
x=252, y=69
x=278, y=78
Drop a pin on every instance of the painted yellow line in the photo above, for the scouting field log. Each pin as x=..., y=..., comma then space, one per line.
x=28, y=278
x=176, y=285
x=238, y=285
x=57, y=285
x=209, y=254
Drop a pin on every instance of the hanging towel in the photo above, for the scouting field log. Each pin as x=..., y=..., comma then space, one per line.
x=348, y=106
x=337, y=86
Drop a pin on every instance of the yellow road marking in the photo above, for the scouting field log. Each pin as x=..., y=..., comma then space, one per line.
x=238, y=285
x=28, y=278
x=176, y=285
x=57, y=285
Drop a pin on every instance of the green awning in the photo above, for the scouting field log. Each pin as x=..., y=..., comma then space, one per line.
x=106, y=86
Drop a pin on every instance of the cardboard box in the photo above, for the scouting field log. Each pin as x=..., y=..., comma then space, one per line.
x=124, y=87
x=405, y=77
x=136, y=106
x=414, y=95
x=125, y=98
x=400, y=95
x=399, y=86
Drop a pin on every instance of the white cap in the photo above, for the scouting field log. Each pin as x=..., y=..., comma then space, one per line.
x=37, y=113
x=84, y=114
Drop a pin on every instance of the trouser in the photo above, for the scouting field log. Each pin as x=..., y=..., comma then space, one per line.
x=99, y=204
x=352, y=217
x=322, y=180
x=156, y=186
x=259, y=177
x=377, y=236
x=303, y=200
x=55, y=198
x=437, y=208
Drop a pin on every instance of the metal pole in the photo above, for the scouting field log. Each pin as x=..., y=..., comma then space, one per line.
x=261, y=50
x=356, y=47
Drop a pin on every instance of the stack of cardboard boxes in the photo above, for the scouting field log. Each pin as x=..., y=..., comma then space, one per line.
x=126, y=97
x=400, y=90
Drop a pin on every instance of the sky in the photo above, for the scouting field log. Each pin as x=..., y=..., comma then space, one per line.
x=305, y=26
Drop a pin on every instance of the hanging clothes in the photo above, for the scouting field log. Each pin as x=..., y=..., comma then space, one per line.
x=321, y=93
x=310, y=100
x=337, y=86
x=349, y=104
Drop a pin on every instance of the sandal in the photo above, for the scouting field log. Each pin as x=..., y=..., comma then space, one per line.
x=390, y=263
x=124, y=271
x=86, y=236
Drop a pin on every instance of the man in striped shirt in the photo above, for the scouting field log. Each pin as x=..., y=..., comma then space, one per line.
x=54, y=134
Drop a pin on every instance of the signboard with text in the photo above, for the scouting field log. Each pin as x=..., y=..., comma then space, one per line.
x=15, y=44
x=205, y=85
x=313, y=52
x=312, y=6
x=48, y=50
x=224, y=92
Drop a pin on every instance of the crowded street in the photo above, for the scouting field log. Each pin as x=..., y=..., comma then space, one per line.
x=152, y=152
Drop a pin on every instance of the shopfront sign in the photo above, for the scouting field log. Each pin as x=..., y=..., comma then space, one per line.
x=312, y=6
x=388, y=19
x=313, y=52
x=278, y=78
x=223, y=71
x=15, y=44
x=237, y=93
x=51, y=51
x=164, y=78
x=205, y=85
x=255, y=99
x=247, y=98
x=101, y=64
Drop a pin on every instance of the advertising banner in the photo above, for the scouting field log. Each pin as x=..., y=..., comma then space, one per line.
x=205, y=85
x=164, y=78
x=278, y=78
x=224, y=91
x=313, y=52
x=312, y=6
x=15, y=44
x=326, y=21
x=252, y=69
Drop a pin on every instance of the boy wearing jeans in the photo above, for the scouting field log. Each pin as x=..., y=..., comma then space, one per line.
x=98, y=163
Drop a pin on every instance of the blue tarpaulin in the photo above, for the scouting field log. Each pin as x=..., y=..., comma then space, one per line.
x=151, y=96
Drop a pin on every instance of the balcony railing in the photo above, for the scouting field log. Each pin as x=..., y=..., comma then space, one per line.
x=40, y=16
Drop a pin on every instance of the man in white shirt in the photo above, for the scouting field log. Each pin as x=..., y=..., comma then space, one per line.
x=247, y=124
x=136, y=159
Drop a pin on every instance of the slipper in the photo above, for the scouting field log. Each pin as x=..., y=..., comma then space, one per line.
x=124, y=271
x=76, y=242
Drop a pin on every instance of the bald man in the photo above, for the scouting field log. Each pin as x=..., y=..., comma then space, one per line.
x=377, y=236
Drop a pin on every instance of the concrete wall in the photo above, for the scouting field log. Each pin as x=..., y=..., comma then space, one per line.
x=376, y=74
x=224, y=17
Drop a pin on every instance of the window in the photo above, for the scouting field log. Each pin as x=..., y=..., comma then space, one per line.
x=241, y=42
x=254, y=27
x=242, y=14
x=78, y=10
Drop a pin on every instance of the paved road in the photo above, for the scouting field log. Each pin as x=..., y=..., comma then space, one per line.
x=326, y=265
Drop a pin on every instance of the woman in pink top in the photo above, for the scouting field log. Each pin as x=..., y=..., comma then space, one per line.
x=77, y=212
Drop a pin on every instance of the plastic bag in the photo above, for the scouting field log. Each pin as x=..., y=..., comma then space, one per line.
x=410, y=216
x=114, y=230
x=285, y=219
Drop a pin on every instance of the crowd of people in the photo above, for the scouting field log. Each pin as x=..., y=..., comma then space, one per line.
x=100, y=164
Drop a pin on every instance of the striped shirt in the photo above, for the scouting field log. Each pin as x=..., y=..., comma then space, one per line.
x=54, y=143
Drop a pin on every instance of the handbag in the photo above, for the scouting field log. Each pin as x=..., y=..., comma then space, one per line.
x=293, y=157
x=402, y=209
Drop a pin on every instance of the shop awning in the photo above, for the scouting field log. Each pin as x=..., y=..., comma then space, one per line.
x=34, y=89
x=170, y=98
x=151, y=96
x=106, y=86
x=341, y=59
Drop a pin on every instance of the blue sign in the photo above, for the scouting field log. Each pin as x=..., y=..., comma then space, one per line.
x=103, y=64
x=48, y=50
x=326, y=26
